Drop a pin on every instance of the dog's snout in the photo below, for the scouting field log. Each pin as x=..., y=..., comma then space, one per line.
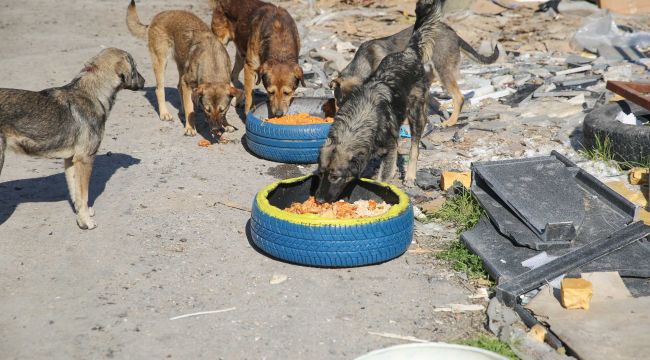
x=278, y=113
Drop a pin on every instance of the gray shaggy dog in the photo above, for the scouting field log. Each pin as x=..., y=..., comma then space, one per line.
x=367, y=125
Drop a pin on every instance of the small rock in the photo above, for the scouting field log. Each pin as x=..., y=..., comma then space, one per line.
x=501, y=81
x=428, y=179
x=278, y=279
x=432, y=206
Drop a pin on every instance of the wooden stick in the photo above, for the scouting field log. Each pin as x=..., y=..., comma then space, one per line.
x=202, y=313
x=399, y=337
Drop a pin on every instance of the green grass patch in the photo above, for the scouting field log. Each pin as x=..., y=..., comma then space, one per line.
x=463, y=210
x=604, y=151
x=491, y=343
x=461, y=259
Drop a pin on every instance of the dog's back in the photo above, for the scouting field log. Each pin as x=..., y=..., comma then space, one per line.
x=36, y=123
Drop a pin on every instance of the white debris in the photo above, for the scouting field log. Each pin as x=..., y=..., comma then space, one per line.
x=628, y=119
x=278, y=279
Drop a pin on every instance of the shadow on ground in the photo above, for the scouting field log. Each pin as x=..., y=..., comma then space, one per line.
x=53, y=188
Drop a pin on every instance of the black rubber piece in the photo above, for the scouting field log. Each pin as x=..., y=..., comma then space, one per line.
x=630, y=143
x=509, y=291
x=331, y=245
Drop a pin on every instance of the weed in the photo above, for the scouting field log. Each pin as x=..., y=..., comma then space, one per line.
x=463, y=210
x=491, y=343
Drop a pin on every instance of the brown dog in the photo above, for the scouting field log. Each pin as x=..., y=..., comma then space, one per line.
x=268, y=45
x=202, y=62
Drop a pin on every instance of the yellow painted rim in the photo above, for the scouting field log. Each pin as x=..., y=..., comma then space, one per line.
x=315, y=220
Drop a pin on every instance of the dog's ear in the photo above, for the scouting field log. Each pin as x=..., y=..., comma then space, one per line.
x=197, y=93
x=261, y=71
x=326, y=153
x=233, y=91
x=299, y=74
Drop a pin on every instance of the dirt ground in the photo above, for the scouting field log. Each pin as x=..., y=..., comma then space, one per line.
x=165, y=245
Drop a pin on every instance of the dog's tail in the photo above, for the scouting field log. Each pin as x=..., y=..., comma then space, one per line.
x=136, y=28
x=469, y=51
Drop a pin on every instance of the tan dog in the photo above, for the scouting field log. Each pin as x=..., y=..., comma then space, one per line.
x=202, y=61
x=68, y=122
x=268, y=46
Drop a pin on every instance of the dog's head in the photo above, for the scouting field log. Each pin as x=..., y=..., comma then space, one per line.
x=116, y=67
x=343, y=86
x=338, y=166
x=215, y=99
x=280, y=79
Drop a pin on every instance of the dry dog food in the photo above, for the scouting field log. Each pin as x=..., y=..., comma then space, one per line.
x=204, y=143
x=340, y=209
x=300, y=119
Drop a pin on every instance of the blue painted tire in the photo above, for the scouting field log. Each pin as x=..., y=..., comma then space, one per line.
x=288, y=155
x=287, y=143
x=331, y=242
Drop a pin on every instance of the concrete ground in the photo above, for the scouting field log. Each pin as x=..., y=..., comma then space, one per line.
x=164, y=245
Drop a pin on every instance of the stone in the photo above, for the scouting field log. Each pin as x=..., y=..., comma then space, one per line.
x=432, y=206
x=503, y=80
x=428, y=179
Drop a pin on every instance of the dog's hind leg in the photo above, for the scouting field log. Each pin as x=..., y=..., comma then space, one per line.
x=159, y=51
x=449, y=82
x=83, y=169
x=417, y=118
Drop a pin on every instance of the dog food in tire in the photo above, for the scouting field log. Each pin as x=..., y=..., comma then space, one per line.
x=630, y=143
x=296, y=144
x=316, y=241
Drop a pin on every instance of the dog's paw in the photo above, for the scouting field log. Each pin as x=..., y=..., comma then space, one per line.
x=230, y=129
x=165, y=116
x=409, y=183
x=190, y=132
x=86, y=223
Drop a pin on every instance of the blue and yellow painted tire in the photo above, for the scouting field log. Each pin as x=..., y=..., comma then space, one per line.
x=316, y=241
x=285, y=143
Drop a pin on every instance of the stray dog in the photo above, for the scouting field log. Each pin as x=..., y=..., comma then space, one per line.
x=446, y=60
x=202, y=61
x=268, y=46
x=68, y=122
x=368, y=122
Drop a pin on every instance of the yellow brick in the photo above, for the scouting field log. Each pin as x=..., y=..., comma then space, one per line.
x=449, y=177
x=638, y=176
x=576, y=293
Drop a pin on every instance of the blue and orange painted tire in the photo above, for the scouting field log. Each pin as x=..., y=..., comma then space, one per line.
x=285, y=143
x=316, y=241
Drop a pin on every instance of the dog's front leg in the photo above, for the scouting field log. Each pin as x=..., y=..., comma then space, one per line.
x=83, y=166
x=388, y=165
x=249, y=81
x=188, y=108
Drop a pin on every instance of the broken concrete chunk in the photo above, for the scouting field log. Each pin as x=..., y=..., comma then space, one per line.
x=448, y=179
x=576, y=293
x=503, y=80
x=432, y=206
